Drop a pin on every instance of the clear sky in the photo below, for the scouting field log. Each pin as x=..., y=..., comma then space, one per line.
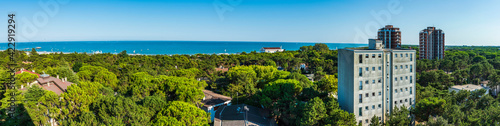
x=327, y=21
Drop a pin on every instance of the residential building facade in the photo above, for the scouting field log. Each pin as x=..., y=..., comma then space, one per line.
x=390, y=36
x=373, y=81
x=271, y=49
x=431, y=43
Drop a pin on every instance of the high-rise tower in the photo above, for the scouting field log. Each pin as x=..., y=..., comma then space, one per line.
x=390, y=36
x=431, y=43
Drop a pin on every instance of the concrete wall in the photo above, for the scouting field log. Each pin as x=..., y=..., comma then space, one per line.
x=381, y=68
x=346, y=79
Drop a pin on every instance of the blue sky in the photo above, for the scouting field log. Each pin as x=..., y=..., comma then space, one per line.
x=327, y=21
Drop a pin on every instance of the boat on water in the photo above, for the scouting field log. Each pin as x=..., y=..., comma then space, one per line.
x=38, y=47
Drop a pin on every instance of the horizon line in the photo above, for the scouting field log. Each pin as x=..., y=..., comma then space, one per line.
x=192, y=41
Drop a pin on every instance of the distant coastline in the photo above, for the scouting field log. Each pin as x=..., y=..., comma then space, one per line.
x=166, y=47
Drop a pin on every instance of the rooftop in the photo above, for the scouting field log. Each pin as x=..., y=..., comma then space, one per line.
x=235, y=115
x=23, y=70
x=56, y=85
x=212, y=98
x=271, y=47
x=468, y=87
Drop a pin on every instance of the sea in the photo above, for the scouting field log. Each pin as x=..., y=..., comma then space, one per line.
x=164, y=47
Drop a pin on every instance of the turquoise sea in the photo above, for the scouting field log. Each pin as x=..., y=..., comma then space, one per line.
x=165, y=47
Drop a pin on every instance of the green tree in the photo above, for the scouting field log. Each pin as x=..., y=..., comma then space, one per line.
x=191, y=73
x=314, y=112
x=431, y=106
x=321, y=47
x=121, y=111
x=329, y=84
x=98, y=74
x=63, y=72
x=76, y=67
x=179, y=112
x=374, y=121
x=399, y=117
x=243, y=80
x=438, y=121
x=26, y=77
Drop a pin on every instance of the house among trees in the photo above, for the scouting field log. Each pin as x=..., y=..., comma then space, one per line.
x=271, y=49
x=468, y=87
x=24, y=70
x=212, y=101
x=47, y=82
x=222, y=69
x=238, y=115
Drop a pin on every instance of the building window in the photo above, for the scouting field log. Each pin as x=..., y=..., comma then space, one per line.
x=373, y=68
x=406, y=54
x=406, y=89
x=406, y=66
x=379, y=93
x=360, y=85
x=360, y=58
x=379, y=80
x=395, y=90
x=400, y=101
x=396, y=55
x=367, y=69
x=406, y=77
x=396, y=67
x=373, y=106
x=410, y=91
x=395, y=79
x=367, y=56
x=373, y=94
x=379, y=106
x=373, y=55
x=366, y=107
x=401, y=89
x=411, y=80
x=406, y=100
x=366, y=82
x=360, y=112
x=360, y=98
x=373, y=81
x=379, y=68
x=411, y=68
x=401, y=78
x=360, y=71
x=379, y=55
x=396, y=102
x=401, y=67
x=411, y=57
x=366, y=121
x=410, y=101
x=401, y=55
x=366, y=95
x=379, y=118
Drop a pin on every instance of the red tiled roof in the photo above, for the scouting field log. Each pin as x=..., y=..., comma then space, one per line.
x=56, y=85
x=21, y=71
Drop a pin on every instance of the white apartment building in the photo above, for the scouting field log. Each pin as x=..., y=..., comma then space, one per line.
x=373, y=81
